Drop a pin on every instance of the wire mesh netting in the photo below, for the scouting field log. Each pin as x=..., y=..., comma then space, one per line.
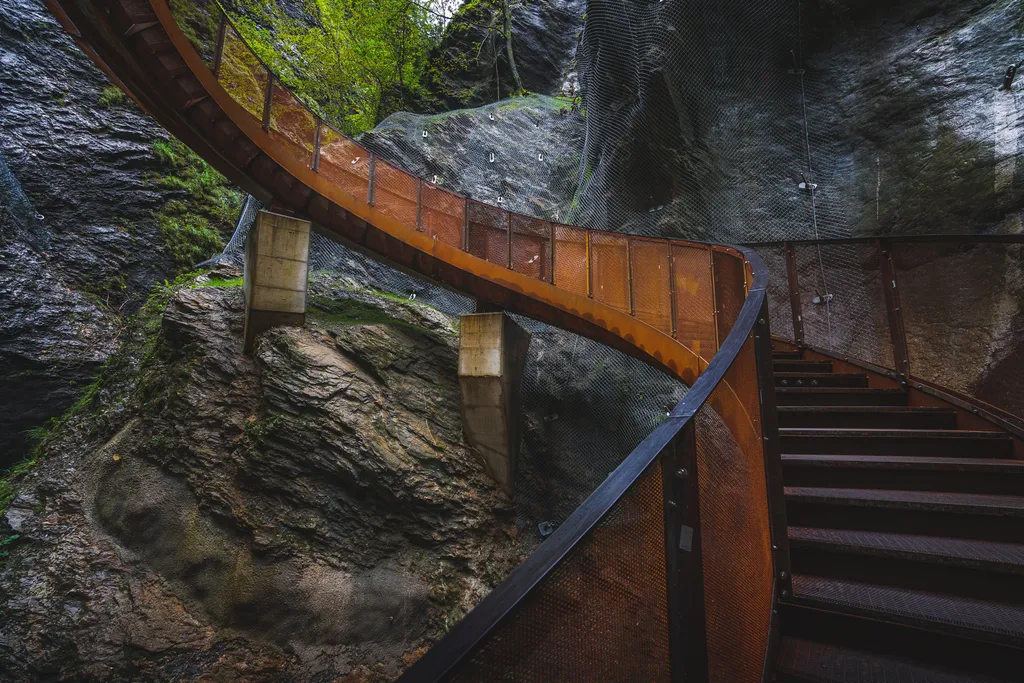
x=600, y=615
x=963, y=317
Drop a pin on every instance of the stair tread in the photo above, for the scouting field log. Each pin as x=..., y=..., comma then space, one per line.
x=866, y=409
x=806, y=375
x=829, y=663
x=910, y=462
x=917, y=607
x=955, y=502
x=999, y=555
x=845, y=432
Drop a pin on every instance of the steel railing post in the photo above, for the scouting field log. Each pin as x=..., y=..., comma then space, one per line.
x=371, y=186
x=551, y=257
x=684, y=569
x=890, y=289
x=772, y=447
x=672, y=291
x=508, y=229
x=714, y=296
x=465, y=226
x=629, y=271
x=218, y=54
x=419, y=204
x=268, y=100
x=795, y=304
x=317, y=133
x=590, y=265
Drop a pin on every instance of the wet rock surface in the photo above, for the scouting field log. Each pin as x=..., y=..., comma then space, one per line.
x=309, y=512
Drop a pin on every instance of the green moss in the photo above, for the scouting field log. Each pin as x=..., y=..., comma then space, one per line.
x=196, y=226
x=218, y=282
x=112, y=96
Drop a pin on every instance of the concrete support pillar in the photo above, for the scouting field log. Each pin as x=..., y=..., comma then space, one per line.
x=275, y=275
x=492, y=353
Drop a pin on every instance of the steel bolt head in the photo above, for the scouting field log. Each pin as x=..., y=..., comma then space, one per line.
x=782, y=575
x=682, y=473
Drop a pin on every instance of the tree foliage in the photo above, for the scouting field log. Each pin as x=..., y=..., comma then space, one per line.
x=356, y=61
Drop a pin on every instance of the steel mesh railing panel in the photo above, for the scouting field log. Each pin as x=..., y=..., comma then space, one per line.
x=571, y=259
x=730, y=291
x=344, y=163
x=531, y=247
x=964, y=318
x=609, y=264
x=292, y=124
x=199, y=20
x=395, y=193
x=601, y=615
x=442, y=215
x=779, y=307
x=842, y=300
x=242, y=75
x=652, y=293
x=695, y=303
x=488, y=233
x=734, y=520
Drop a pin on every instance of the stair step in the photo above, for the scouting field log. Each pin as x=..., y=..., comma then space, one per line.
x=838, y=396
x=872, y=417
x=802, y=365
x=897, y=442
x=806, y=660
x=820, y=379
x=963, y=617
x=958, y=515
x=922, y=473
x=987, y=555
x=787, y=355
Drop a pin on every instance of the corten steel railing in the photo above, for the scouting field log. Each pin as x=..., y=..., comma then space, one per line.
x=942, y=314
x=671, y=569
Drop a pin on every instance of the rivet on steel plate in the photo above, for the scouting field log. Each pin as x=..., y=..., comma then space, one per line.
x=682, y=473
x=785, y=593
x=783, y=574
x=673, y=504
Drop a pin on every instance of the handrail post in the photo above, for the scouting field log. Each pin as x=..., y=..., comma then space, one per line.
x=684, y=568
x=629, y=270
x=465, y=226
x=897, y=333
x=268, y=100
x=772, y=448
x=419, y=204
x=317, y=133
x=218, y=54
x=508, y=229
x=590, y=266
x=672, y=291
x=714, y=296
x=551, y=257
x=795, y=304
x=371, y=182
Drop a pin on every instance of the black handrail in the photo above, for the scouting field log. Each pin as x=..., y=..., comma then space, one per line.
x=472, y=630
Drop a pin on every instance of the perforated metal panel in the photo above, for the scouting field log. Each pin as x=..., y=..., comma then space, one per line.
x=344, y=163
x=695, y=302
x=488, y=233
x=242, y=75
x=292, y=124
x=779, y=306
x=652, y=295
x=531, y=247
x=609, y=259
x=442, y=215
x=735, y=536
x=571, y=259
x=395, y=193
x=601, y=615
x=730, y=290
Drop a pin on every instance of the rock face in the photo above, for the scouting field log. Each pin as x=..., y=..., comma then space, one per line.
x=307, y=512
x=471, y=67
x=79, y=241
x=696, y=122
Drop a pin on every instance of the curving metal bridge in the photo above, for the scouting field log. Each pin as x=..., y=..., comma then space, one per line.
x=678, y=566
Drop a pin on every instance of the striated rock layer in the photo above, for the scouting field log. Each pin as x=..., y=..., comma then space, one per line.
x=310, y=511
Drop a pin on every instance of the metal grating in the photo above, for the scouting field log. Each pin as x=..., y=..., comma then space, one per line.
x=571, y=259
x=601, y=615
x=531, y=246
x=442, y=215
x=695, y=301
x=292, y=124
x=779, y=308
x=735, y=536
x=652, y=294
x=488, y=233
x=344, y=163
x=242, y=75
x=395, y=193
x=609, y=265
